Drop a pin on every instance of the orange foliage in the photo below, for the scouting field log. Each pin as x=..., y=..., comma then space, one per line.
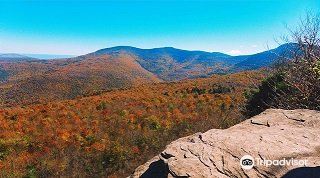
x=110, y=134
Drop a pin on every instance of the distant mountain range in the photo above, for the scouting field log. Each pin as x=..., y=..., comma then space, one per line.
x=14, y=56
x=175, y=64
x=49, y=56
x=171, y=64
x=111, y=68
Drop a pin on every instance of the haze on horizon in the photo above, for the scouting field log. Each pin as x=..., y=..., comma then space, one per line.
x=69, y=27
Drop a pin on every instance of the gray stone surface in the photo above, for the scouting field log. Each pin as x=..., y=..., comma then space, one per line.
x=274, y=134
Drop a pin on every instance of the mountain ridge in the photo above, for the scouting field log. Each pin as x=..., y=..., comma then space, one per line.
x=14, y=57
x=35, y=56
x=117, y=67
x=68, y=78
x=152, y=49
x=171, y=64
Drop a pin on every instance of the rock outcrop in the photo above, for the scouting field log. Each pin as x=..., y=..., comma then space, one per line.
x=273, y=135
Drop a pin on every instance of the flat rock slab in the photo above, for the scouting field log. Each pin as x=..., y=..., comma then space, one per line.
x=273, y=135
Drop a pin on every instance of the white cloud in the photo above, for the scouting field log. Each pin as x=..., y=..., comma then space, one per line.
x=235, y=52
x=254, y=46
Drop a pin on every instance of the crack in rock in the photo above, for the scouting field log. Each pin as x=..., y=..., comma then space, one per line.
x=217, y=153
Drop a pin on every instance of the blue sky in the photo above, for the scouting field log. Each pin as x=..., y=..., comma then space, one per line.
x=79, y=27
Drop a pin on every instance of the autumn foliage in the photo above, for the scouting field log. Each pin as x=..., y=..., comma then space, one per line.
x=111, y=133
x=30, y=82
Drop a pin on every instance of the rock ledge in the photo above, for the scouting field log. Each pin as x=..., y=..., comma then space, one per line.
x=273, y=135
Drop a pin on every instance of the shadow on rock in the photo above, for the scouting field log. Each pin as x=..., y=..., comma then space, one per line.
x=306, y=172
x=156, y=169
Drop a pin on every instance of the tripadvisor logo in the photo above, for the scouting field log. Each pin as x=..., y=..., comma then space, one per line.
x=247, y=162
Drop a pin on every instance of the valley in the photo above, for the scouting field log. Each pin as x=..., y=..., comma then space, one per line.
x=159, y=89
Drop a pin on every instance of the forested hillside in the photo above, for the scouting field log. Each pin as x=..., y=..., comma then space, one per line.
x=37, y=81
x=112, y=133
x=29, y=81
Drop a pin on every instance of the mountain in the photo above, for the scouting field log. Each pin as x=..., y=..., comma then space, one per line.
x=14, y=57
x=46, y=80
x=10, y=57
x=172, y=64
x=266, y=58
x=28, y=80
x=49, y=56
